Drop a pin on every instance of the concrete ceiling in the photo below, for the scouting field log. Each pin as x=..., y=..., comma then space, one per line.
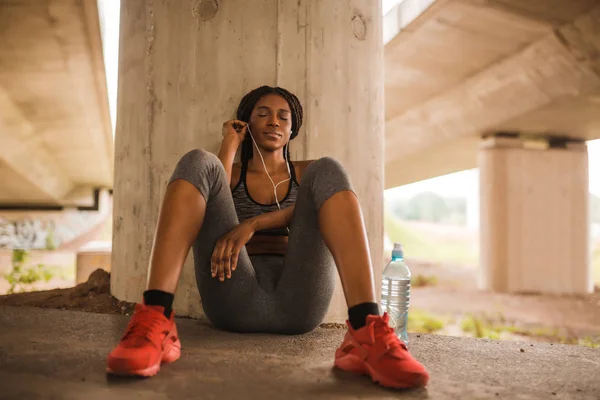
x=55, y=131
x=460, y=69
x=467, y=67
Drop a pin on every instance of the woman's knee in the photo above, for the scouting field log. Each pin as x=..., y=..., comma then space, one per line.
x=303, y=315
x=199, y=159
x=326, y=177
x=200, y=168
x=324, y=165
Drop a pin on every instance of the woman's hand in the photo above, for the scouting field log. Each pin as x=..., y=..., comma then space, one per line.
x=234, y=130
x=225, y=255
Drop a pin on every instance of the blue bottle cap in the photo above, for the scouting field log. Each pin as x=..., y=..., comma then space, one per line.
x=398, y=251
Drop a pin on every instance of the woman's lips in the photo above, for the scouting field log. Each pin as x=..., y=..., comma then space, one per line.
x=273, y=135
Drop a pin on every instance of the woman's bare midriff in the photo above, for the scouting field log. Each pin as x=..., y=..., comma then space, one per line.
x=263, y=244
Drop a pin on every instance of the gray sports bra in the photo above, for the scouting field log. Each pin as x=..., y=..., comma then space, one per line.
x=246, y=207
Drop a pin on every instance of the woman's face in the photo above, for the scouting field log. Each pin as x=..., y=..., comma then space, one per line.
x=271, y=122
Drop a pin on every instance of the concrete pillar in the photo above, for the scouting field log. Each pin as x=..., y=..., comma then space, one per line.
x=534, y=217
x=184, y=66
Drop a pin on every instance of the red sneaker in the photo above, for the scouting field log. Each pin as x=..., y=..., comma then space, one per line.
x=150, y=339
x=375, y=350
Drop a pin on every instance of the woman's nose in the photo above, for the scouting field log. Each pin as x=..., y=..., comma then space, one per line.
x=274, y=121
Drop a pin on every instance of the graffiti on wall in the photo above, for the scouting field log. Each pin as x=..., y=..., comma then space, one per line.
x=50, y=230
x=27, y=234
x=32, y=233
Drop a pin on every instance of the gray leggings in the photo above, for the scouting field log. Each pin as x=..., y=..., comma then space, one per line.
x=266, y=293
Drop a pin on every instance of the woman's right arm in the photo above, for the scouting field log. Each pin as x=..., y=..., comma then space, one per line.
x=234, y=132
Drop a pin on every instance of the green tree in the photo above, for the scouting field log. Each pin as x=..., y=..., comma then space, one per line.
x=431, y=207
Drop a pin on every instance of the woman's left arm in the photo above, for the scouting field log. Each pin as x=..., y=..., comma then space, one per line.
x=272, y=220
x=227, y=249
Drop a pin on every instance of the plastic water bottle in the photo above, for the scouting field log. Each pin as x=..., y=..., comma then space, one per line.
x=395, y=292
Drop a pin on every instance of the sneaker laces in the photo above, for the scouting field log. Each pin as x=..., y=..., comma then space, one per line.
x=142, y=327
x=383, y=332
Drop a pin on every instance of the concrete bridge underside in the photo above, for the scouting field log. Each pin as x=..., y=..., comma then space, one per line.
x=56, y=141
x=465, y=68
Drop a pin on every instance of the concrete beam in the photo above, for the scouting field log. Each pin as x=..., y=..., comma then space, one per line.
x=94, y=36
x=52, y=72
x=23, y=152
x=448, y=43
x=551, y=76
x=445, y=158
x=79, y=42
x=556, y=12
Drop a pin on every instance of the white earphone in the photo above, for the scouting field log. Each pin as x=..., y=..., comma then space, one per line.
x=265, y=166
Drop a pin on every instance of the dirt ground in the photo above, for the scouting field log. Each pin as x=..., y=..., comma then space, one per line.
x=451, y=299
x=91, y=296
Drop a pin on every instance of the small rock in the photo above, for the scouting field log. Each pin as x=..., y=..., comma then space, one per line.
x=579, y=390
x=83, y=379
x=418, y=335
x=522, y=350
x=553, y=393
x=531, y=345
x=497, y=394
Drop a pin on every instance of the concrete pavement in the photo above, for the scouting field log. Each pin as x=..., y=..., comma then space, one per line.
x=57, y=354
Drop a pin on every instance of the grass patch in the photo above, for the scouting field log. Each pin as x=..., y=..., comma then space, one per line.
x=487, y=327
x=590, y=342
x=424, y=322
x=422, y=281
x=24, y=275
x=481, y=327
x=492, y=327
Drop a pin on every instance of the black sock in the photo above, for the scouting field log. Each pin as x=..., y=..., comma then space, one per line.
x=358, y=314
x=159, y=298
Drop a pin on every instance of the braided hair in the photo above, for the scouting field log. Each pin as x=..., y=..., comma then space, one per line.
x=247, y=105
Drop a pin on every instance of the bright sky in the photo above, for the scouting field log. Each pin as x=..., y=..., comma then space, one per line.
x=110, y=11
x=386, y=5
